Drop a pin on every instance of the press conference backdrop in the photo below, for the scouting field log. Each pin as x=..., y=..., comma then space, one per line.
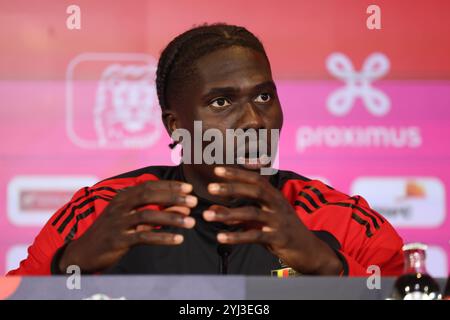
x=366, y=110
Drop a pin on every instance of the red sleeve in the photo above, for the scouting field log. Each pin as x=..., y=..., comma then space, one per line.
x=70, y=222
x=359, y=235
x=45, y=244
x=384, y=250
x=379, y=245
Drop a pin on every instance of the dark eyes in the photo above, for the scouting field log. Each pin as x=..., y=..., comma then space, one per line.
x=263, y=98
x=220, y=103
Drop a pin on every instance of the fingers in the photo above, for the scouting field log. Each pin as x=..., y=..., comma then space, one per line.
x=237, y=189
x=250, y=236
x=179, y=209
x=158, y=218
x=166, y=185
x=239, y=215
x=154, y=238
x=244, y=183
x=170, y=193
x=234, y=174
x=264, y=234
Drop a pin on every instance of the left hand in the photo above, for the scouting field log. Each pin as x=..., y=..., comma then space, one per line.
x=274, y=223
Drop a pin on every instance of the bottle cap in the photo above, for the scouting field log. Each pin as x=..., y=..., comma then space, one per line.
x=415, y=246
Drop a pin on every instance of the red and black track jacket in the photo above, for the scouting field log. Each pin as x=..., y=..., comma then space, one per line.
x=360, y=236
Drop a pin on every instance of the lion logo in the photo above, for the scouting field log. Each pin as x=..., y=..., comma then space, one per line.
x=126, y=111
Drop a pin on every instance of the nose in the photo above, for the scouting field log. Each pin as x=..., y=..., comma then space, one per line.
x=251, y=118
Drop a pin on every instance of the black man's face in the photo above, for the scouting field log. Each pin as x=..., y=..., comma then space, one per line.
x=232, y=89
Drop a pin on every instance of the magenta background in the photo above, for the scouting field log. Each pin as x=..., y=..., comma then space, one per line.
x=303, y=104
x=36, y=49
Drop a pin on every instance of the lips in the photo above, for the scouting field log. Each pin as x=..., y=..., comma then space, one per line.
x=249, y=157
x=254, y=163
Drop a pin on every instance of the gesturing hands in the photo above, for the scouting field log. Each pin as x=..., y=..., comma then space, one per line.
x=273, y=224
x=124, y=223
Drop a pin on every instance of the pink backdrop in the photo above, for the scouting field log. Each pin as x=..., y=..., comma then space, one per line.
x=54, y=84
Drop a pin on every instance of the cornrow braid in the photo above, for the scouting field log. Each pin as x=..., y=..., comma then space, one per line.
x=177, y=60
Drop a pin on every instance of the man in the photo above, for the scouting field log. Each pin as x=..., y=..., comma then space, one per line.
x=178, y=220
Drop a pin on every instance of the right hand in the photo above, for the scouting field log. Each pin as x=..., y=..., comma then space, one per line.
x=122, y=225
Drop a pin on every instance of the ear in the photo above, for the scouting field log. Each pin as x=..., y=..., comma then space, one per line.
x=170, y=120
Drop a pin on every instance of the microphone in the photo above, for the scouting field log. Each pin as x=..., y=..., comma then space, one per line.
x=224, y=252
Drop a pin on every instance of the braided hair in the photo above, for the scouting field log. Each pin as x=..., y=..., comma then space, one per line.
x=177, y=61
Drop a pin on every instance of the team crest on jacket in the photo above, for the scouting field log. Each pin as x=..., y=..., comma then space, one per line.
x=284, y=271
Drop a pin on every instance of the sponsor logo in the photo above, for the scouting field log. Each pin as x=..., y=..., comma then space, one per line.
x=358, y=137
x=358, y=84
x=408, y=202
x=33, y=199
x=342, y=100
